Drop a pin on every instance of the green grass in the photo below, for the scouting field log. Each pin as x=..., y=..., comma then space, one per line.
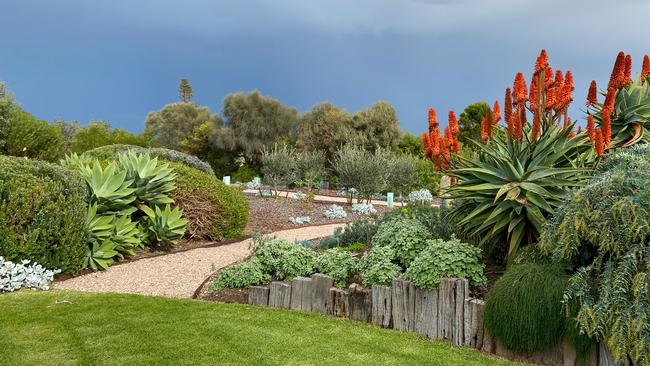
x=69, y=328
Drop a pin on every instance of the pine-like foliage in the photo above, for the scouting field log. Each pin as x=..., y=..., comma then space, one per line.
x=185, y=91
x=604, y=232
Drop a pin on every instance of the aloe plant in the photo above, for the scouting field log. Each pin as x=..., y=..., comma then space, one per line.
x=151, y=181
x=163, y=225
x=507, y=191
x=631, y=118
x=126, y=236
x=108, y=188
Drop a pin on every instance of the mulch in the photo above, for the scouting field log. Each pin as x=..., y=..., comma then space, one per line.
x=272, y=214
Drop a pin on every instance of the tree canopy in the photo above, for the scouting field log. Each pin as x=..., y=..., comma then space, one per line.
x=176, y=122
x=470, y=121
x=376, y=126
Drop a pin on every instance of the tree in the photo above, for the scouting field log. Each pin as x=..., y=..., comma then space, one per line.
x=412, y=145
x=377, y=126
x=185, y=91
x=7, y=108
x=100, y=133
x=176, y=122
x=324, y=128
x=255, y=122
x=68, y=131
x=470, y=122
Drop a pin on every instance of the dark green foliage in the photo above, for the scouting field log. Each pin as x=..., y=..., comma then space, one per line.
x=411, y=145
x=603, y=231
x=376, y=127
x=407, y=237
x=324, y=128
x=442, y=259
x=42, y=214
x=360, y=231
x=354, y=247
x=214, y=210
x=340, y=265
x=241, y=275
x=470, y=122
x=112, y=152
x=524, y=308
x=33, y=138
x=98, y=134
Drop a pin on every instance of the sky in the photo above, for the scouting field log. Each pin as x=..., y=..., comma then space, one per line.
x=117, y=60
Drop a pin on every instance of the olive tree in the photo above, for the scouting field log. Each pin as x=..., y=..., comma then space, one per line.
x=362, y=170
x=279, y=166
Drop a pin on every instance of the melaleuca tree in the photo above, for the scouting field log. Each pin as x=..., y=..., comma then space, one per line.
x=376, y=127
x=185, y=91
x=324, y=128
x=603, y=232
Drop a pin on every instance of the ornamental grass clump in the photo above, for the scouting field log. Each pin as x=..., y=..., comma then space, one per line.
x=524, y=308
x=442, y=259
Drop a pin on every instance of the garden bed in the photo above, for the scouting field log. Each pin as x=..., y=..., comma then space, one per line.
x=272, y=214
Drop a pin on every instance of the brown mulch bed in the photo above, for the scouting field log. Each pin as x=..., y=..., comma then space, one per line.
x=272, y=214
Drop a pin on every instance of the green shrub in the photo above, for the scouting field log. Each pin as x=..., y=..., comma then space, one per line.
x=241, y=275
x=356, y=167
x=33, y=138
x=214, y=210
x=42, y=214
x=403, y=174
x=407, y=237
x=354, y=247
x=360, y=231
x=339, y=265
x=284, y=260
x=112, y=152
x=446, y=259
x=603, y=232
x=377, y=268
x=310, y=166
x=428, y=177
x=435, y=219
x=524, y=308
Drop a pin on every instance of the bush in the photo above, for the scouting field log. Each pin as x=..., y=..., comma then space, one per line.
x=360, y=231
x=214, y=210
x=310, y=167
x=241, y=275
x=42, y=214
x=111, y=152
x=340, y=265
x=33, y=138
x=407, y=237
x=428, y=177
x=524, y=308
x=403, y=174
x=377, y=268
x=603, y=232
x=421, y=197
x=335, y=212
x=284, y=260
x=357, y=168
x=14, y=276
x=446, y=259
x=435, y=219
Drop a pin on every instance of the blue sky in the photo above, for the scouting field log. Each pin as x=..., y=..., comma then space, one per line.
x=116, y=60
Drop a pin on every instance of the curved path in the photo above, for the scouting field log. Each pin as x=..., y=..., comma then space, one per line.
x=178, y=274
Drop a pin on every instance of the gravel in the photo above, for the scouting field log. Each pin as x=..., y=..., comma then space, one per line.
x=178, y=274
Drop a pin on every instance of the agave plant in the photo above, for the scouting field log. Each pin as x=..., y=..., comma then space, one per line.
x=101, y=250
x=150, y=180
x=125, y=236
x=630, y=121
x=74, y=161
x=512, y=186
x=108, y=188
x=163, y=226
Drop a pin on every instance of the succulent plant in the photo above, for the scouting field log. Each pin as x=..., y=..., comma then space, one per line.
x=151, y=181
x=101, y=250
x=163, y=225
x=108, y=188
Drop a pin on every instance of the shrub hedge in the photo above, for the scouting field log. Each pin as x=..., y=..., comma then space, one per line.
x=42, y=214
x=214, y=210
x=111, y=152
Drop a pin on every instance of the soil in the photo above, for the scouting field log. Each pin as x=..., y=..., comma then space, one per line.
x=228, y=296
x=272, y=214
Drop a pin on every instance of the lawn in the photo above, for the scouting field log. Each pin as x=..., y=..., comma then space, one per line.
x=69, y=328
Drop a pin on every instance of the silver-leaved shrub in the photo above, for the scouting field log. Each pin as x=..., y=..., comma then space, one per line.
x=335, y=212
x=14, y=276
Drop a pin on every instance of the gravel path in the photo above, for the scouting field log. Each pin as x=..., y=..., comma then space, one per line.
x=178, y=274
